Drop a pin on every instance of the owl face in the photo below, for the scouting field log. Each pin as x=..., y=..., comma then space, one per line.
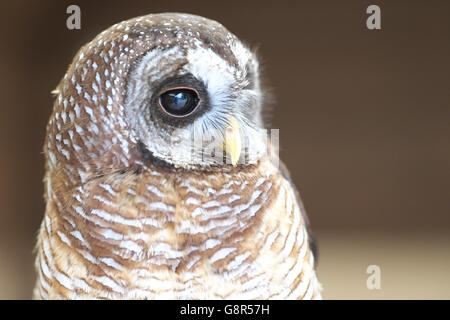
x=196, y=100
x=177, y=89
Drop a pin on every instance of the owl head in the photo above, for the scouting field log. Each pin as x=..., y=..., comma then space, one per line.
x=176, y=89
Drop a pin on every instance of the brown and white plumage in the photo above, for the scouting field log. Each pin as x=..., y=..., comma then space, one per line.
x=132, y=211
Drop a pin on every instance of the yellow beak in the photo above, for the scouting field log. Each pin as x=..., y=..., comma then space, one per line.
x=233, y=143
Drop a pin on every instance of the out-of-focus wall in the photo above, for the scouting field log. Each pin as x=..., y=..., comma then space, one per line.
x=363, y=118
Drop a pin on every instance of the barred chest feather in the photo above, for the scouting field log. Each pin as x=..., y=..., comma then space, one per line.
x=184, y=235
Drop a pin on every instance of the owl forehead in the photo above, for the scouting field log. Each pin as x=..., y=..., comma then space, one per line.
x=189, y=33
x=125, y=44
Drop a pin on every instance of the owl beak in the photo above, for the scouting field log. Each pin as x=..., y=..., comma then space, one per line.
x=233, y=143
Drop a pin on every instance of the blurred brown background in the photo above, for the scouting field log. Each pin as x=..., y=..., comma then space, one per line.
x=363, y=117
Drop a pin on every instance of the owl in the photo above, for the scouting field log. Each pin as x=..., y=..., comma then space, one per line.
x=161, y=182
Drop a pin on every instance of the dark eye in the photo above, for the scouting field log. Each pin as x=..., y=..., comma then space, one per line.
x=179, y=102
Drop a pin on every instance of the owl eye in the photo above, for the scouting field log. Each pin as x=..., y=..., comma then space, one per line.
x=179, y=102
